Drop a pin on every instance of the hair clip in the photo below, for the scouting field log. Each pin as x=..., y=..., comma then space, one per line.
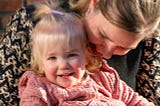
x=55, y=12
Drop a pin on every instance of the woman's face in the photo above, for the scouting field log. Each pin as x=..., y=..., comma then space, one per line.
x=108, y=38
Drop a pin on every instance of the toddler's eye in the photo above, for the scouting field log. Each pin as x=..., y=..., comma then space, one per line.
x=72, y=55
x=52, y=58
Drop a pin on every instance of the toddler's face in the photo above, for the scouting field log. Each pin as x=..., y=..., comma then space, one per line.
x=64, y=66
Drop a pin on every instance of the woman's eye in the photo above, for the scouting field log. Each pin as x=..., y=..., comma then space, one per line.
x=103, y=36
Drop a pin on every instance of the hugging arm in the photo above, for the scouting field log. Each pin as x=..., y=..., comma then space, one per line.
x=148, y=76
x=15, y=54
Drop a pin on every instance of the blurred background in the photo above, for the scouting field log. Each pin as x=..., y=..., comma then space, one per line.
x=8, y=7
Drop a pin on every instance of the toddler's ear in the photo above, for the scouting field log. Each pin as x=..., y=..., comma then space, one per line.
x=87, y=57
x=92, y=5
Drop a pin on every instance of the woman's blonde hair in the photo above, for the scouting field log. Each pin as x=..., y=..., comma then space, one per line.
x=137, y=16
x=55, y=27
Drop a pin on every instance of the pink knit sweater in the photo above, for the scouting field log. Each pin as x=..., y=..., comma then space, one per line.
x=103, y=88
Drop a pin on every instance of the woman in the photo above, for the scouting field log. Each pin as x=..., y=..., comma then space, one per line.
x=117, y=36
x=113, y=27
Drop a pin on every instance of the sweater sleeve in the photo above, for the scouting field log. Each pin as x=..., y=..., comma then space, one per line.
x=119, y=89
x=29, y=91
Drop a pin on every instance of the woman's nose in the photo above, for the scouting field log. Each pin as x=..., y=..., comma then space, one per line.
x=108, y=50
x=120, y=52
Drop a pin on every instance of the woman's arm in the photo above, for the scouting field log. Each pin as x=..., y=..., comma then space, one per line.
x=14, y=54
x=148, y=76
